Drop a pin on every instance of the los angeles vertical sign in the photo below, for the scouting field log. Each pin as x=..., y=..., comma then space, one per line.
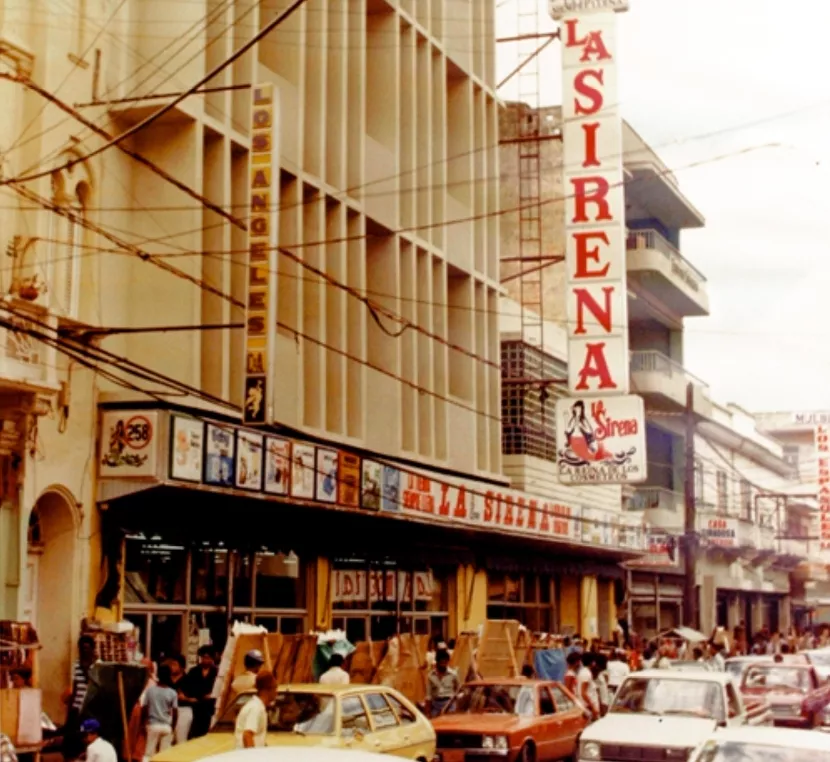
x=263, y=230
x=600, y=429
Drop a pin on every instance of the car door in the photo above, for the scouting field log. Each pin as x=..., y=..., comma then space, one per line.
x=735, y=708
x=416, y=733
x=387, y=735
x=355, y=728
x=548, y=727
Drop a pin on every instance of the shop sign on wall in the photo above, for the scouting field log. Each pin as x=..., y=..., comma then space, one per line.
x=370, y=485
x=720, y=531
x=129, y=444
x=277, y=465
x=348, y=477
x=303, y=470
x=661, y=551
x=263, y=227
x=601, y=440
x=219, y=455
x=352, y=585
x=187, y=438
x=822, y=438
x=326, y=491
x=249, y=452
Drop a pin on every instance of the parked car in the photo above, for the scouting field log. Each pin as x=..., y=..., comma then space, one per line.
x=763, y=745
x=513, y=719
x=357, y=717
x=737, y=665
x=797, y=695
x=296, y=754
x=690, y=666
x=820, y=659
x=664, y=714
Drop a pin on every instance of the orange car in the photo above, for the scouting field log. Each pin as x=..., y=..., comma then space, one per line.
x=515, y=720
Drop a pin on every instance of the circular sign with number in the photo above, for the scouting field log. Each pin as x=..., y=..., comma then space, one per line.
x=138, y=432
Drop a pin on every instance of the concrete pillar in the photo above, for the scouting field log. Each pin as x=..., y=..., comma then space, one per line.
x=758, y=613
x=734, y=612
x=785, y=613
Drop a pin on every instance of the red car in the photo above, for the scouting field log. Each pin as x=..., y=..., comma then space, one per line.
x=516, y=719
x=795, y=692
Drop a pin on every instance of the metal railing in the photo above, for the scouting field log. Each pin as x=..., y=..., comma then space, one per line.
x=680, y=266
x=652, y=361
x=655, y=498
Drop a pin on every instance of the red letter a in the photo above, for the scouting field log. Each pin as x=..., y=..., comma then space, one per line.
x=595, y=366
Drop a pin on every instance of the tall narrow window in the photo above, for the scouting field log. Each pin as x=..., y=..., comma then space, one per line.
x=66, y=243
x=723, y=492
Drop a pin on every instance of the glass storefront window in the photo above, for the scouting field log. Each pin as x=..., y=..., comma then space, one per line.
x=279, y=583
x=209, y=576
x=155, y=572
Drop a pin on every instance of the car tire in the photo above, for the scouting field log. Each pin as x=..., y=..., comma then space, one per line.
x=527, y=753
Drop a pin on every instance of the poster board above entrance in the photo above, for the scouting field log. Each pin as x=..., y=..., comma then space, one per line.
x=182, y=450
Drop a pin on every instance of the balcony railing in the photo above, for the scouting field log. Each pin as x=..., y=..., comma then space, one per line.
x=651, y=361
x=680, y=266
x=655, y=498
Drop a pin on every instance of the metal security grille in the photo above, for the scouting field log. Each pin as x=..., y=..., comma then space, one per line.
x=528, y=423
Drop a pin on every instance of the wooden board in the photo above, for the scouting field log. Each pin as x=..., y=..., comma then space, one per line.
x=364, y=661
x=284, y=665
x=462, y=656
x=303, y=664
x=496, y=650
x=403, y=669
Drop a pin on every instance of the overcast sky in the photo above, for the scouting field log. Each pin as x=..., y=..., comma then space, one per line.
x=756, y=75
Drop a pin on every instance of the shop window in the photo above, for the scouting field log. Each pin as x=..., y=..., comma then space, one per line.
x=278, y=583
x=155, y=572
x=209, y=577
x=529, y=599
x=287, y=625
x=243, y=580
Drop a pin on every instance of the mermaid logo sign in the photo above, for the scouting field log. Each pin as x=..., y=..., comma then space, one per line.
x=601, y=440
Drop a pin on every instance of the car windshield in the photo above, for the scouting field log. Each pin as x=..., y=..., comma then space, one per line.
x=663, y=696
x=730, y=751
x=494, y=699
x=303, y=713
x=697, y=666
x=735, y=668
x=776, y=677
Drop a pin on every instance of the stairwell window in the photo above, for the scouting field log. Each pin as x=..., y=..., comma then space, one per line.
x=723, y=492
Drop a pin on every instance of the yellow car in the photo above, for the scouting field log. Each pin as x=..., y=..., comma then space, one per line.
x=362, y=717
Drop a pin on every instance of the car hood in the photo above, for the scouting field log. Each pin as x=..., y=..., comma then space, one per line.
x=486, y=724
x=674, y=731
x=217, y=743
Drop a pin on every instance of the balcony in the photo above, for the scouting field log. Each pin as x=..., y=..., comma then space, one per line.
x=27, y=365
x=659, y=269
x=662, y=381
x=661, y=507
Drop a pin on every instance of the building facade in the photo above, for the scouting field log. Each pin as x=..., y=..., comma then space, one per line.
x=378, y=501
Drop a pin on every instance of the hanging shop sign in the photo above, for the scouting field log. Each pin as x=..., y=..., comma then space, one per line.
x=129, y=444
x=595, y=232
x=720, y=531
x=662, y=551
x=187, y=441
x=601, y=440
x=822, y=440
x=353, y=586
x=263, y=230
x=812, y=419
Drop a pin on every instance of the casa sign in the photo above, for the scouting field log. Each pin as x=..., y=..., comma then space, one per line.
x=261, y=294
x=594, y=207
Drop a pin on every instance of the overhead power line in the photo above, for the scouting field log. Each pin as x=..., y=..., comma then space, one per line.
x=147, y=121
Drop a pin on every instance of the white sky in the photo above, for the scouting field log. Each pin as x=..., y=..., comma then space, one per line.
x=754, y=74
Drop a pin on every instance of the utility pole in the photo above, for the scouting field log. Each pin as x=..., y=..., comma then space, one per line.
x=689, y=544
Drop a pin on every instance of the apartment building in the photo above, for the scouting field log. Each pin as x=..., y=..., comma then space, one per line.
x=810, y=581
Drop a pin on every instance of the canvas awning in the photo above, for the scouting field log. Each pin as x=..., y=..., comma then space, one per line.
x=684, y=633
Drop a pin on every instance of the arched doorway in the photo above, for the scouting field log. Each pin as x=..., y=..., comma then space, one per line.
x=49, y=592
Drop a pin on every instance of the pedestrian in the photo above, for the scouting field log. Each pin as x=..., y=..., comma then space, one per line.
x=335, y=674
x=7, y=750
x=73, y=744
x=599, y=670
x=178, y=682
x=199, y=689
x=247, y=680
x=586, y=689
x=574, y=662
x=160, y=707
x=442, y=684
x=618, y=669
x=251, y=727
x=97, y=749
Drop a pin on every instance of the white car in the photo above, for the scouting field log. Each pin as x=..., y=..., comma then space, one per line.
x=762, y=744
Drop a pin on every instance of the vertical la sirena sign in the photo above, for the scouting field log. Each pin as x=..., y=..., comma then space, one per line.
x=600, y=428
x=263, y=228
